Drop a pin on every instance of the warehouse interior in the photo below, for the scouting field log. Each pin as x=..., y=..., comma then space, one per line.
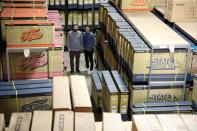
x=98, y=65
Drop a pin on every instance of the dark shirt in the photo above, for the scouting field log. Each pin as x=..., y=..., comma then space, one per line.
x=89, y=40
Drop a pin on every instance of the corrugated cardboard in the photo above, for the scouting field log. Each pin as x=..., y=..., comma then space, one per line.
x=190, y=122
x=2, y=122
x=42, y=65
x=180, y=10
x=146, y=123
x=169, y=94
x=42, y=121
x=84, y=121
x=61, y=93
x=63, y=121
x=20, y=122
x=30, y=34
x=133, y=5
x=112, y=122
x=96, y=89
x=194, y=92
x=127, y=125
x=110, y=93
x=123, y=92
x=80, y=96
x=98, y=126
x=171, y=122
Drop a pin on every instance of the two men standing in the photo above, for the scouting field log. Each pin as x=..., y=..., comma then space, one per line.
x=76, y=43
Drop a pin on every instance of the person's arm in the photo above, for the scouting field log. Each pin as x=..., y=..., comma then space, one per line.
x=68, y=42
x=81, y=41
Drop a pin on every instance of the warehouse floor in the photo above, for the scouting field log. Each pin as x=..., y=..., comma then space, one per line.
x=85, y=72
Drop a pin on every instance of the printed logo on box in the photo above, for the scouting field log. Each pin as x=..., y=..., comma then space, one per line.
x=34, y=61
x=163, y=64
x=32, y=34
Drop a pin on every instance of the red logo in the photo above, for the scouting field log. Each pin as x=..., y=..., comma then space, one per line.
x=34, y=61
x=32, y=34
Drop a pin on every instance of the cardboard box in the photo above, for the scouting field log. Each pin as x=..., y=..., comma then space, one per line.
x=80, y=95
x=8, y=5
x=85, y=19
x=80, y=20
x=64, y=121
x=21, y=15
x=146, y=122
x=61, y=93
x=75, y=17
x=84, y=121
x=25, y=97
x=29, y=34
x=194, y=92
x=20, y=122
x=112, y=122
x=2, y=122
x=98, y=126
x=180, y=10
x=110, y=93
x=134, y=5
x=42, y=121
x=25, y=1
x=96, y=89
x=157, y=3
x=127, y=125
x=37, y=65
x=190, y=121
x=123, y=92
x=171, y=122
x=90, y=18
x=157, y=94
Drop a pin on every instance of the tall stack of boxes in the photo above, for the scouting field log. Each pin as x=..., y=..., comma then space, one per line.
x=34, y=47
x=128, y=53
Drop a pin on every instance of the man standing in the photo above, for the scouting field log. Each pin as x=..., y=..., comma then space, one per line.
x=75, y=46
x=89, y=43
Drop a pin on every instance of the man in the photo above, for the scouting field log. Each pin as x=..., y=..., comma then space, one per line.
x=89, y=43
x=75, y=46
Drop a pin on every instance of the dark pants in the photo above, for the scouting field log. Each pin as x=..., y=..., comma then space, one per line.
x=75, y=54
x=89, y=58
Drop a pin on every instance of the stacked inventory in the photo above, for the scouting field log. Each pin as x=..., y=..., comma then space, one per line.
x=153, y=66
x=34, y=45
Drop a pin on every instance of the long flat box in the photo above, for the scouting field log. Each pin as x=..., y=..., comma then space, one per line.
x=96, y=89
x=25, y=99
x=98, y=126
x=80, y=96
x=2, y=122
x=29, y=34
x=84, y=121
x=127, y=125
x=172, y=122
x=157, y=94
x=190, y=121
x=61, y=93
x=42, y=121
x=21, y=15
x=44, y=64
x=110, y=93
x=63, y=121
x=20, y=122
x=123, y=92
x=112, y=122
x=145, y=123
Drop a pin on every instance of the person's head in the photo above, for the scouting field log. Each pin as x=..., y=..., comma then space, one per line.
x=87, y=29
x=75, y=27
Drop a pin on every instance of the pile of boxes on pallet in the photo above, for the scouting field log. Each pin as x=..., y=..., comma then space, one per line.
x=82, y=4
x=33, y=41
x=131, y=55
x=109, y=92
x=64, y=120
